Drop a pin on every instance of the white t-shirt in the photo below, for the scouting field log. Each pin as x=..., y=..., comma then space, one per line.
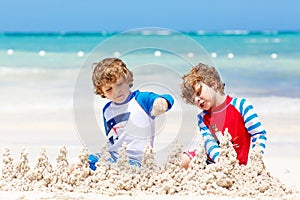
x=131, y=122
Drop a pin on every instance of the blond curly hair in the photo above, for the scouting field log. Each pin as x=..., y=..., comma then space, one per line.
x=200, y=73
x=109, y=71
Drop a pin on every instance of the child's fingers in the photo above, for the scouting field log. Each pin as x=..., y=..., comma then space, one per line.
x=159, y=106
x=155, y=112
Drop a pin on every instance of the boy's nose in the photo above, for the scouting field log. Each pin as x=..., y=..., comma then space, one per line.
x=118, y=91
x=196, y=99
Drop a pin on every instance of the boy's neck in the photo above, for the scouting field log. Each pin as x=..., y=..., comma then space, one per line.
x=220, y=99
x=220, y=102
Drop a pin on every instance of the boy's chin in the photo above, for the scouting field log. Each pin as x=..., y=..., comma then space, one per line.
x=120, y=99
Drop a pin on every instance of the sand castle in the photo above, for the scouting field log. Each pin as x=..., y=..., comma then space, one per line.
x=224, y=178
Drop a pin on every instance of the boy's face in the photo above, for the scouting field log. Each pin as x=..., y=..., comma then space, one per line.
x=204, y=97
x=117, y=92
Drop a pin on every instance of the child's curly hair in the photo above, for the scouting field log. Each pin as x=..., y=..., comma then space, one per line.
x=109, y=71
x=200, y=73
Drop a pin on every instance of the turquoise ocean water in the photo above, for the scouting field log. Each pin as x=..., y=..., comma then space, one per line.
x=38, y=71
x=255, y=63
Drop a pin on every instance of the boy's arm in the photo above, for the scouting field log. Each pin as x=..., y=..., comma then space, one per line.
x=254, y=126
x=149, y=100
x=211, y=146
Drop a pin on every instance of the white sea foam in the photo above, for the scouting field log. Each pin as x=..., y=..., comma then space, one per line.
x=155, y=32
x=23, y=71
x=10, y=52
x=274, y=56
x=236, y=32
x=230, y=55
x=275, y=104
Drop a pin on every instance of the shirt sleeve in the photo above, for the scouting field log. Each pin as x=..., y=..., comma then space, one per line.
x=146, y=100
x=104, y=119
x=253, y=125
x=210, y=144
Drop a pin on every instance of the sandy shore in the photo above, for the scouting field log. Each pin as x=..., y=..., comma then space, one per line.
x=80, y=196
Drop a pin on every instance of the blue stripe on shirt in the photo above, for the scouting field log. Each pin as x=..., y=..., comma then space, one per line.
x=200, y=120
x=262, y=145
x=215, y=155
x=208, y=141
x=250, y=128
x=262, y=137
x=204, y=128
x=212, y=148
x=241, y=106
x=249, y=107
x=115, y=120
x=251, y=117
x=206, y=134
x=261, y=133
x=234, y=102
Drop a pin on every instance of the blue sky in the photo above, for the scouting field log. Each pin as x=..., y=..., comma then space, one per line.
x=110, y=15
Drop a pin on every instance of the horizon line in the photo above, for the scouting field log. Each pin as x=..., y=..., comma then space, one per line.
x=154, y=32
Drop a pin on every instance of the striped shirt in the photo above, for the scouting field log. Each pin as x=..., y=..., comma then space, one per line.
x=239, y=116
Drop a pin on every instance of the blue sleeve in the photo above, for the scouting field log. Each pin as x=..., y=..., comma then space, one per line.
x=104, y=119
x=146, y=100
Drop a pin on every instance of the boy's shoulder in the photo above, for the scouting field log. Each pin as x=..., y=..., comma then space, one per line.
x=138, y=92
x=140, y=95
x=242, y=105
x=106, y=106
x=151, y=96
x=134, y=95
x=239, y=101
x=236, y=102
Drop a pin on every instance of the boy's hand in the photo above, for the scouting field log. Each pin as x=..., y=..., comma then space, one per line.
x=160, y=106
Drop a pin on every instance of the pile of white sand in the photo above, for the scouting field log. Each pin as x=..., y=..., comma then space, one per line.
x=225, y=178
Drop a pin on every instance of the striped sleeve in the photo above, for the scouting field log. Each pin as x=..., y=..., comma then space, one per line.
x=252, y=123
x=210, y=144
